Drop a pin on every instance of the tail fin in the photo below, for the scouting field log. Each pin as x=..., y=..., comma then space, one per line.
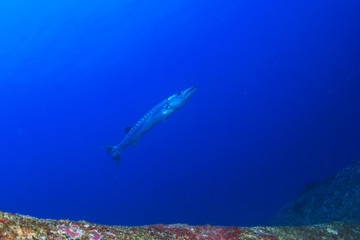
x=115, y=153
x=108, y=149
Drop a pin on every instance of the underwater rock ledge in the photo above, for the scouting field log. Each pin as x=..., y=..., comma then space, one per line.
x=337, y=198
x=15, y=226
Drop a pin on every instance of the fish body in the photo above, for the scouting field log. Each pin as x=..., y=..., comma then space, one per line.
x=157, y=114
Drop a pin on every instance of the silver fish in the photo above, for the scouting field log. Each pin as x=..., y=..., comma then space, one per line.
x=158, y=113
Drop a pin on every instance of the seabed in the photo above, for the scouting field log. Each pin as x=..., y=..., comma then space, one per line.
x=16, y=226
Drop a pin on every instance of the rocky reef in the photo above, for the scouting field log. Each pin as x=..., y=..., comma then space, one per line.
x=335, y=199
x=15, y=226
x=327, y=210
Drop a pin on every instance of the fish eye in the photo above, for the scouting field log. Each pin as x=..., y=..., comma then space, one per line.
x=178, y=94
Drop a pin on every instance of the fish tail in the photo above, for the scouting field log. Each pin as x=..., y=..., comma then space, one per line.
x=108, y=149
x=115, y=153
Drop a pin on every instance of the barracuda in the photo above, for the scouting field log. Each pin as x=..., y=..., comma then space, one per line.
x=158, y=113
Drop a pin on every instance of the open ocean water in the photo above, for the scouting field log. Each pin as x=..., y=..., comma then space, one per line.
x=277, y=106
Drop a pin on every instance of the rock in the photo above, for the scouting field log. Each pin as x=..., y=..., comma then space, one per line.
x=15, y=226
x=335, y=199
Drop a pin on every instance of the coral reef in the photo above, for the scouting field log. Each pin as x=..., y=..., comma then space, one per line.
x=335, y=199
x=15, y=226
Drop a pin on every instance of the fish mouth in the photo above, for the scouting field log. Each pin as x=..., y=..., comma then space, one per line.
x=188, y=93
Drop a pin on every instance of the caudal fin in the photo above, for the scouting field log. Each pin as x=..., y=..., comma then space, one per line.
x=108, y=149
x=115, y=153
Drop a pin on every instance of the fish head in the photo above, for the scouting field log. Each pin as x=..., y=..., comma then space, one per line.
x=179, y=99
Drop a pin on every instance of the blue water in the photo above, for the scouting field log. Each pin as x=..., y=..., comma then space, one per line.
x=277, y=106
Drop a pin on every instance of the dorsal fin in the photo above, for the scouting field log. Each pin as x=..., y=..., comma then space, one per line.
x=127, y=129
